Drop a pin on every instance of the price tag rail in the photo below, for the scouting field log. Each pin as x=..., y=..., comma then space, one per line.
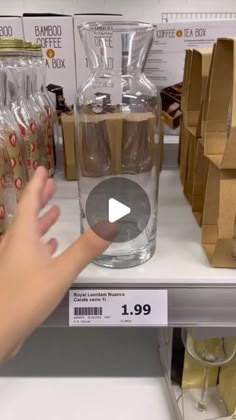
x=197, y=294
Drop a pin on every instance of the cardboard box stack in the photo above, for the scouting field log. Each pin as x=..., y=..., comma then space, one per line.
x=219, y=133
x=193, y=164
x=208, y=147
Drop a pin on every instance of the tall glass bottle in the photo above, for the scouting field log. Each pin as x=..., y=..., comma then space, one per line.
x=118, y=118
x=40, y=115
x=11, y=52
x=11, y=134
x=7, y=182
x=44, y=101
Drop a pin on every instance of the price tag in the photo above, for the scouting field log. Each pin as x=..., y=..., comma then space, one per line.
x=118, y=307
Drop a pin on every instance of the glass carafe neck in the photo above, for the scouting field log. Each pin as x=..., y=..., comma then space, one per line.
x=117, y=47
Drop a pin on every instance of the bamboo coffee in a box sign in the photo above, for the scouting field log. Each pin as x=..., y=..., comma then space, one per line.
x=165, y=63
x=55, y=34
x=11, y=27
x=83, y=70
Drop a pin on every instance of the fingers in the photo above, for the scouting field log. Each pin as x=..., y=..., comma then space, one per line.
x=48, y=220
x=51, y=246
x=30, y=203
x=68, y=265
x=48, y=192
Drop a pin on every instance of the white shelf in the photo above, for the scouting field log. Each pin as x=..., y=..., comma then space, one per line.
x=84, y=398
x=179, y=259
x=197, y=293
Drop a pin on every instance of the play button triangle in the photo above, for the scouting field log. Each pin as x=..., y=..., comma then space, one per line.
x=116, y=210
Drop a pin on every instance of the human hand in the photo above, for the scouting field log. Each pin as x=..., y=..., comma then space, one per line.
x=32, y=282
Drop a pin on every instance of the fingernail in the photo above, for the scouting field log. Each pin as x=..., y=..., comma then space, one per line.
x=106, y=230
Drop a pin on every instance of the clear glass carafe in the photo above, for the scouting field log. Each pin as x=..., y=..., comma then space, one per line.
x=117, y=119
x=44, y=101
x=11, y=55
x=9, y=183
x=10, y=133
x=39, y=113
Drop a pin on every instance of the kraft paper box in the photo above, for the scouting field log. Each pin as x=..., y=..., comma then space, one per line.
x=111, y=151
x=111, y=129
x=165, y=62
x=227, y=386
x=218, y=226
x=83, y=71
x=210, y=343
x=199, y=182
x=191, y=153
x=55, y=34
x=197, y=82
x=193, y=374
x=202, y=162
x=183, y=132
x=11, y=26
x=219, y=124
x=195, y=92
x=186, y=76
x=186, y=371
x=68, y=132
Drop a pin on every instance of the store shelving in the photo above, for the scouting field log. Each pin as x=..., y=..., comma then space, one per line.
x=87, y=374
x=121, y=398
x=197, y=293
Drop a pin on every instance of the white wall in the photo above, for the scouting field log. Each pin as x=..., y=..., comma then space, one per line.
x=149, y=10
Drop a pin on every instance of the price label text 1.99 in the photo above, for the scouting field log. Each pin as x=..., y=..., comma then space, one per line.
x=136, y=310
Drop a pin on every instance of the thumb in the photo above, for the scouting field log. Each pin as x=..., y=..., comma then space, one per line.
x=71, y=262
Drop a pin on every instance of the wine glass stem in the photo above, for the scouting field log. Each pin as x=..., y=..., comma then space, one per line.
x=202, y=405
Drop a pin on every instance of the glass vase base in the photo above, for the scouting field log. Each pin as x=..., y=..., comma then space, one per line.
x=132, y=259
x=201, y=406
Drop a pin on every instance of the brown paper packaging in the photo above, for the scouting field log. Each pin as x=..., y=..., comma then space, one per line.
x=191, y=154
x=193, y=374
x=187, y=66
x=218, y=226
x=199, y=70
x=119, y=143
x=198, y=76
x=195, y=83
x=183, y=134
x=113, y=152
x=68, y=131
x=199, y=183
x=227, y=386
x=219, y=119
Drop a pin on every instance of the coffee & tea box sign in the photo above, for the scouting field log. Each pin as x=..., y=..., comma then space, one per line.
x=11, y=27
x=55, y=34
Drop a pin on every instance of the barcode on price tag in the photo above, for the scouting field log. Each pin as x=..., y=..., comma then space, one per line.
x=90, y=311
x=118, y=307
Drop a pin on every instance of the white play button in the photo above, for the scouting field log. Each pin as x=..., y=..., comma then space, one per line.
x=116, y=210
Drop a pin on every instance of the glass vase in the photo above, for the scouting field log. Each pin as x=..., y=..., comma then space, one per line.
x=117, y=129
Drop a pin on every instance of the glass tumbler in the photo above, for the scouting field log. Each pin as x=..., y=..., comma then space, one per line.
x=117, y=127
